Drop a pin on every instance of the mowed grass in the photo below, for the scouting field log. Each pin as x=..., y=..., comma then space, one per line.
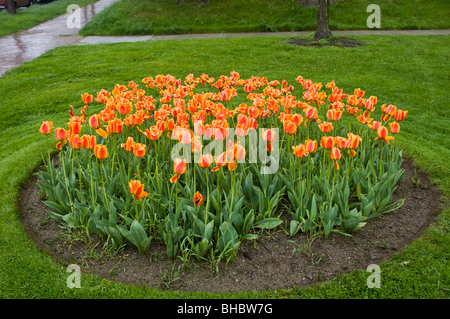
x=137, y=17
x=34, y=15
x=410, y=72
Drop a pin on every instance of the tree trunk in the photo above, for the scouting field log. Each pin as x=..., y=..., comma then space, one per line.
x=11, y=6
x=323, y=31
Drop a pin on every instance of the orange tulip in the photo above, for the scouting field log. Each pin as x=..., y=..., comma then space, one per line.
x=137, y=189
x=326, y=127
x=400, y=115
x=129, y=145
x=139, y=150
x=394, y=127
x=86, y=98
x=75, y=141
x=89, y=141
x=179, y=167
x=60, y=134
x=327, y=142
x=269, y=135
x=46, y=127
x=94, y=121
x=290, y=127
x=352, y=143
x=205, y=160
x=300, y=150
x=311, y=146
x=220, y=161
x=383, y=135
x=334, y=115
x=101, y=151
x=198, y=199
x=375, y=125
x=153, y=133
x=335, y=155
x=74, y=125
x=340, y=141
x=115, y=126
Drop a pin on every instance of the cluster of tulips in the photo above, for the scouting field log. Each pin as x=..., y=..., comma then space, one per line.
x=120, y=173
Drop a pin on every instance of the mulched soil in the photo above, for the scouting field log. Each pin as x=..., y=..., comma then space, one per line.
x=342, y=42
x=271, y=262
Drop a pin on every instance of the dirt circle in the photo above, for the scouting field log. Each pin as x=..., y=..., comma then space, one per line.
x=342, y=42
x=274, y=261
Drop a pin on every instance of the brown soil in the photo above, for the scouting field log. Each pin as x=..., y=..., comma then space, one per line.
x=272, y=262
x=342, y=42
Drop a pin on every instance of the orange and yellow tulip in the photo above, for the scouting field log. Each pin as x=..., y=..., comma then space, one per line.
x=327, y=142
x=129, y=145
x=46, y=127
x=60, y=134
x=101, y=151
x=383, y=135
x=198, y=199
x=137, y=189
x=311, y=146
x=335, y=155
x=139, y=150
x=300, y=150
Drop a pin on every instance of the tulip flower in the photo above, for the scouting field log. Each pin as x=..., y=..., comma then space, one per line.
x=334, y=115
x=74, y=125
x=198, y=199
x=137, y=189
x=335, y=155
x=400, y=115
x=311, y=146
x=75, y=141
x=290, y=127
x=46, y=127
x=394, y=127
x=101, y=151
x=60, y=134
x=94, y=121
x=115, y=126
x=300, y=151
x=179, y=168
x=89, y=141
x=352, y=143
x=383, y=135
x=205, y=161
x=327, y=142
x=340, y=141
x=129, y=145
x=326, y=127
x=139, y=150
x=86, y=98
x=220, y=161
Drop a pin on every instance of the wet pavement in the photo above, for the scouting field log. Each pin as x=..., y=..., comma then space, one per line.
x=24, y=46
x=27, y=45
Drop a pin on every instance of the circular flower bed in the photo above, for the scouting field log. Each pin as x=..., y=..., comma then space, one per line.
x=203, y=164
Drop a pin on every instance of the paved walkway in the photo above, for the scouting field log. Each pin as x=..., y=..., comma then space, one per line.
x=27, y=45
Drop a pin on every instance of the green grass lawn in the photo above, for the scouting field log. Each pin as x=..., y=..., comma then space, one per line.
x=400, y=70
x=34, y=15
x=133, y=17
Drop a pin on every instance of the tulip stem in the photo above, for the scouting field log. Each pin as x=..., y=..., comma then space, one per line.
x=103, y=185
x=79, y=171
x=207, y=197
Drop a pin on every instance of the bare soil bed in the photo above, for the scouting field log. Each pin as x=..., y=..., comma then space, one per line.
x=274, y=261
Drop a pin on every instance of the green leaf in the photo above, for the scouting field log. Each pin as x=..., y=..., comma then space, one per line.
x=268, y=223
